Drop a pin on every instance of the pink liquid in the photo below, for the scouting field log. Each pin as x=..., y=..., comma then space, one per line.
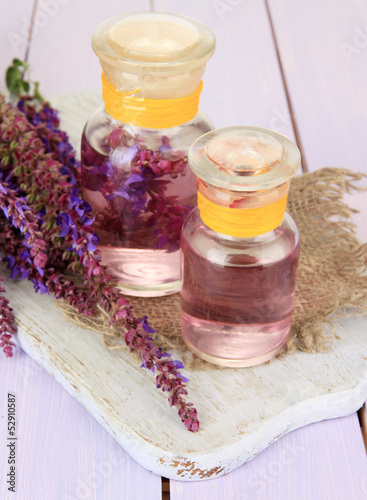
x=138, y=241
x=238, y=314
x=144, y=273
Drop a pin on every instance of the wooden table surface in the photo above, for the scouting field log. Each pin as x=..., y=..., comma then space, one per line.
x=296, y=66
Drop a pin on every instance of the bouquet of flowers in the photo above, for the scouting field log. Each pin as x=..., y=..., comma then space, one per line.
x=46, y=233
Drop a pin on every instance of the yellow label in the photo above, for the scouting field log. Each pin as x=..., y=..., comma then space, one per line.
x=149, y=113
x=241, y=222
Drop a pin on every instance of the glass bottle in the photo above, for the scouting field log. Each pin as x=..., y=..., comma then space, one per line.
x=239, y=248
x=134, y=148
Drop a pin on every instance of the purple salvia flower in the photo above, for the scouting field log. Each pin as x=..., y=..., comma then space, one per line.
x=146, y=325
x=39, y=173
x=133, y=178
x=23, y=218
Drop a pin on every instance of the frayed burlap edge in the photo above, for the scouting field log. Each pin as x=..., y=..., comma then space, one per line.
x=331, y=280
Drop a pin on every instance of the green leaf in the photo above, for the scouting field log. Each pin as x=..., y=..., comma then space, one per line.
x=17, y=88
x=10, y=77
x=17, y=62
x=16, y=82
x=13, y=79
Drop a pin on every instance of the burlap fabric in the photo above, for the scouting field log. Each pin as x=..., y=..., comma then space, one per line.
x=331, y=275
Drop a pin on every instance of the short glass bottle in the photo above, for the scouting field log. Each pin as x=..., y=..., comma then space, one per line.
x=134, y=148
x=239, y=248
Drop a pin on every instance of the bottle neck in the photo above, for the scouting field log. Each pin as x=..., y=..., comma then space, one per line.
x=259, y=217
x=146, y=112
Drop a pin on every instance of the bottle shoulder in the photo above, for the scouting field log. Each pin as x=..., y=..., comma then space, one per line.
x=226, y=250
x=101, y=124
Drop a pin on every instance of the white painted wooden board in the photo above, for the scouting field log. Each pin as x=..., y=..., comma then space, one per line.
x=321, y=461
x=62, y=452
x=241, y=411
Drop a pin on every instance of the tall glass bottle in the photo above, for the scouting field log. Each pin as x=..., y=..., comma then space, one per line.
x=134, y=148
x=239, y=247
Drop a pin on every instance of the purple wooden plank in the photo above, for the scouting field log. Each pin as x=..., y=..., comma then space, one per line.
x=61, y=55
x=326, y=460
x=242, y=82
x=323, y=49
x=61, y=451
x=15, y=21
